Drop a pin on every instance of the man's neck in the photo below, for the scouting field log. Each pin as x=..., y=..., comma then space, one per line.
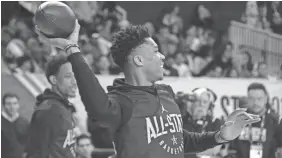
x=136, y=79
x=9, y=117
x=261, y=113
x=56, y=90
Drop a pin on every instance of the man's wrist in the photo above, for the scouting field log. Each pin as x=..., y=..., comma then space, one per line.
x=72, y=50
x=218, y=138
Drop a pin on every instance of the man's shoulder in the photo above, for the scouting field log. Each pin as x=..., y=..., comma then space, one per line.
x=164, y=87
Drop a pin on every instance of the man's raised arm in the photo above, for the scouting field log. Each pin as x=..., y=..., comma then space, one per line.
x=97, y=103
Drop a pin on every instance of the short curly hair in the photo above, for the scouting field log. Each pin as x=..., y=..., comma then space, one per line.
x=125, y=41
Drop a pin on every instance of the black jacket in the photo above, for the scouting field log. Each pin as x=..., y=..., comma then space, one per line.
x=13, y=137
x=51, y=132
x=145, y=120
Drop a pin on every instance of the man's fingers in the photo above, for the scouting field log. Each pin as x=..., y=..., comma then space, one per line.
x=246, y=116
x=254, y=116
x=228, y=123
x=239, y=111
x=253, y=121
x=40, y=35
x=77, y=27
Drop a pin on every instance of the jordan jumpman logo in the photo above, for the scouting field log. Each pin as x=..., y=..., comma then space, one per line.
x=163, y=109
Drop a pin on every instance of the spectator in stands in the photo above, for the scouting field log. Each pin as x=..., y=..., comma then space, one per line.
x=263, y=22
x=244, y=64
x=179, y=65
x=223, y=61
x=14, y=128
x=114, y=69
x=103, y=65
x=251, y=15
x=171, y=18
x=168, y=66
x=275, y=16
x=89, y=60
x=262, y=70
x=84, y=147
x=26, y=64
x=36, y=50
x=202, y=17
x=168, y=42
x=257, y=140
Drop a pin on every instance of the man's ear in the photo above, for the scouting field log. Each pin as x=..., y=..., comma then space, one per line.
x=53, y=79
x=138, y=60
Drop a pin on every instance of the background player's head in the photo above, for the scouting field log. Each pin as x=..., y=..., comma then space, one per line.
x=258, y=98
x=60, y=76
x=84, y=146
x=10, y=102
x=137, y=53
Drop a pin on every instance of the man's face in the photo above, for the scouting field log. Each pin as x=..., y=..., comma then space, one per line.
x=151, y=60
x=199, y=113
x=258, y=100
x=262, y=70
x=84, y=148
x=11, y=106
x=65, y=81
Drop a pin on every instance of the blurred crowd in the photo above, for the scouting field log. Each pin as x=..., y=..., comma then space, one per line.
x=264, y=15
x=193, y=49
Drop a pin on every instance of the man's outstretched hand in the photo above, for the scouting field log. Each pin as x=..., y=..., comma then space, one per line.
x=61, y=42
x=234, y=125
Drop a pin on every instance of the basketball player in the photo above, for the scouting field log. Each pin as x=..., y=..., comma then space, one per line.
x=52, y=127
x=142, y=115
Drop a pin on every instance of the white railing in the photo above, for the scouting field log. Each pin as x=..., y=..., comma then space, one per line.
x=256, y=41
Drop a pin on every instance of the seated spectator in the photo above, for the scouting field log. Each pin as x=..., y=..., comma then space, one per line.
x=172, y=17
x=84, y=147
x=14, y=128
x=179, y=65
x=275, y=16
x=89, y=60
x=168, y=66
x=114, y=69
x=102, y=65
x=261, y=71
x=168, y=42
x=222, y=63
x=202, y=17
x=243, y=64
x=251, y=15
x=26, y=64
x=232, y=73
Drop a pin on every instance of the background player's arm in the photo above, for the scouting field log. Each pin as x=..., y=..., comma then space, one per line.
x=197, y=142
x=97, y=103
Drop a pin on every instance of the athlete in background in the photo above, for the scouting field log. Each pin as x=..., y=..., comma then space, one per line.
x=52, y=130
